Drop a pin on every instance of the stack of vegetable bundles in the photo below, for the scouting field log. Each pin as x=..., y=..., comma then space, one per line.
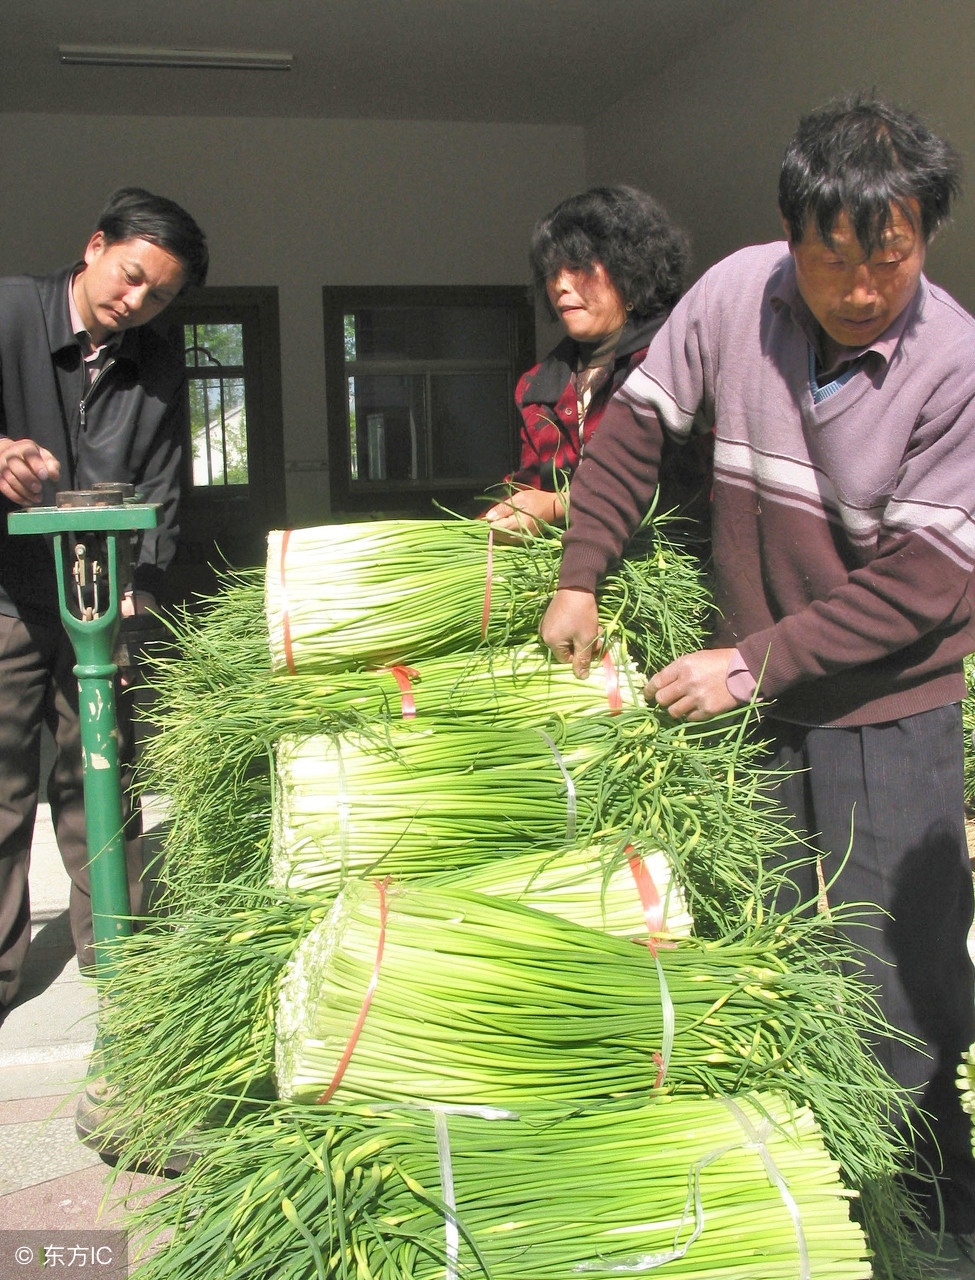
x=463, y=967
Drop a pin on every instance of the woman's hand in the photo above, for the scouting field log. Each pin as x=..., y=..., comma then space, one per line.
x=523, y=511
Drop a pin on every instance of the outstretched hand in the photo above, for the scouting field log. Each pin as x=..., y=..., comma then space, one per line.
x=694, y=686
x=524, y=510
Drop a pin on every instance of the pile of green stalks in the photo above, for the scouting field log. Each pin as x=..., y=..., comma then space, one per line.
x=404, y=591
x=218, y=709
x=189, y=1012
x=695, y=790
x=691, y=1188
x=507, y=803
x=628, y=891
x=416, y=994
x=423, y=797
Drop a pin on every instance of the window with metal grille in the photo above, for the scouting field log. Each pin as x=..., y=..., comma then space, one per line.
x=218, y=403
x=232, y=481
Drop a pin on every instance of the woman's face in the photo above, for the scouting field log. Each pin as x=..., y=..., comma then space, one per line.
x=587, y=302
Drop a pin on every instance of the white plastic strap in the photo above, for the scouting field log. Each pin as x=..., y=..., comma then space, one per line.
x=693, y=1205
x=757, y=1139
x=440, y=1113
x=570, y=790
x=447, y=1191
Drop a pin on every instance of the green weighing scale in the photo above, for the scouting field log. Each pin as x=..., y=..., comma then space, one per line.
x=93, y=534
x=94, y=531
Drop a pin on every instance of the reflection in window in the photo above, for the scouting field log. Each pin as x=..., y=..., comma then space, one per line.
x=218, y=410
x=429, y=392
x=419, y=387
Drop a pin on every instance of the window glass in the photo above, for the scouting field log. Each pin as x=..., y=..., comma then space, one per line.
x=429, y=398
x=419, y=384
x=218, y=403
x=469, y=414
x=427, y=333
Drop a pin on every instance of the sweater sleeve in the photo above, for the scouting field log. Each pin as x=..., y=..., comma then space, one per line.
x=616, y=481
x=610, y=493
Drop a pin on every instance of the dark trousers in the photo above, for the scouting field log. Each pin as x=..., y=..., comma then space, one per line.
x=37, y=687
x=892, y=795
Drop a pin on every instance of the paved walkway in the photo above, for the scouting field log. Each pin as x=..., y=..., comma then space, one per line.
x=49, y=1181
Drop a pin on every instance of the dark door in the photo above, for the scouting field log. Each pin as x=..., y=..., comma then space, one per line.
x=233, y=462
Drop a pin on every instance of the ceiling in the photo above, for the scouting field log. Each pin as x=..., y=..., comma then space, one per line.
x=534, y=61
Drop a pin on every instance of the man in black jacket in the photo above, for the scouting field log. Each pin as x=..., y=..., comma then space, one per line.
x=86, y=395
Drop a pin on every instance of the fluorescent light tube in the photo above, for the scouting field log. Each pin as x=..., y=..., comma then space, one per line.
x=114, y=55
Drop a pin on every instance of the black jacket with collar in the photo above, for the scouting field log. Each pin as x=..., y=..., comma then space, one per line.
x=134, y=425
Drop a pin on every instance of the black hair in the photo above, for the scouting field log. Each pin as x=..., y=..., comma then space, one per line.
x=644, y=254
x=135, y=214
x=867, y=157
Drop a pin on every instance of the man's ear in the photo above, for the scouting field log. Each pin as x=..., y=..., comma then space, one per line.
x=94, y=247
x=786, y=228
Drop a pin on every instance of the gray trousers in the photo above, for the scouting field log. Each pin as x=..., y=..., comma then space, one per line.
x=893, y=795
x=38, y=687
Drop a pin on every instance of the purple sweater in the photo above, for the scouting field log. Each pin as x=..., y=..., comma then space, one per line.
x=844, y=532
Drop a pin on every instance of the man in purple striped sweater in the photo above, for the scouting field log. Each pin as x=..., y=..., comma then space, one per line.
x=840, y=388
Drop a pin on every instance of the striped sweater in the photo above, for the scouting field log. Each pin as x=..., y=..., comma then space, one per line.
x=844, y=530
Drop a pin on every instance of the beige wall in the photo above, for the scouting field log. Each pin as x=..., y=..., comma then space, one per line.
x=302, y=203
x=297, y=204
x=707, y=137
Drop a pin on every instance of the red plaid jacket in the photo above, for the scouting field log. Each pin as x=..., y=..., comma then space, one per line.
x=550, y=443
x=546, y=399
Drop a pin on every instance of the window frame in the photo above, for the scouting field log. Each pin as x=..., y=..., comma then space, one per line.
x=230, y=304
x=228, y=523
x=415, y=497
x=204, y=373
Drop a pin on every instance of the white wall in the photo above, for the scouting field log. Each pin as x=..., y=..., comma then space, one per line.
x=707, y=138
x=297, y=204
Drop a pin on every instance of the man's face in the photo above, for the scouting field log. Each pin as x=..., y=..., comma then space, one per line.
x=855, y=297
x=124, y=284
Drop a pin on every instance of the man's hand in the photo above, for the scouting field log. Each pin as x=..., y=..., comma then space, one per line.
x=694, y=687
x=130, y=605
x=137, y=602
x=23, y=466
x=571, y=629
x=524, y=510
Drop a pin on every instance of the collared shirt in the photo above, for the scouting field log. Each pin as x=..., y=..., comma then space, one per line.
x=94, y=357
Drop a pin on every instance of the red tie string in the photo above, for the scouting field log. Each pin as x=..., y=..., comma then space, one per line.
x=613, y=695
x=403, y=676
x=381, y=885
x=653, y=913
x=653, y=908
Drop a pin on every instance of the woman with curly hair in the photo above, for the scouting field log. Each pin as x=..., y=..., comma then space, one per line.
x=610, y=265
